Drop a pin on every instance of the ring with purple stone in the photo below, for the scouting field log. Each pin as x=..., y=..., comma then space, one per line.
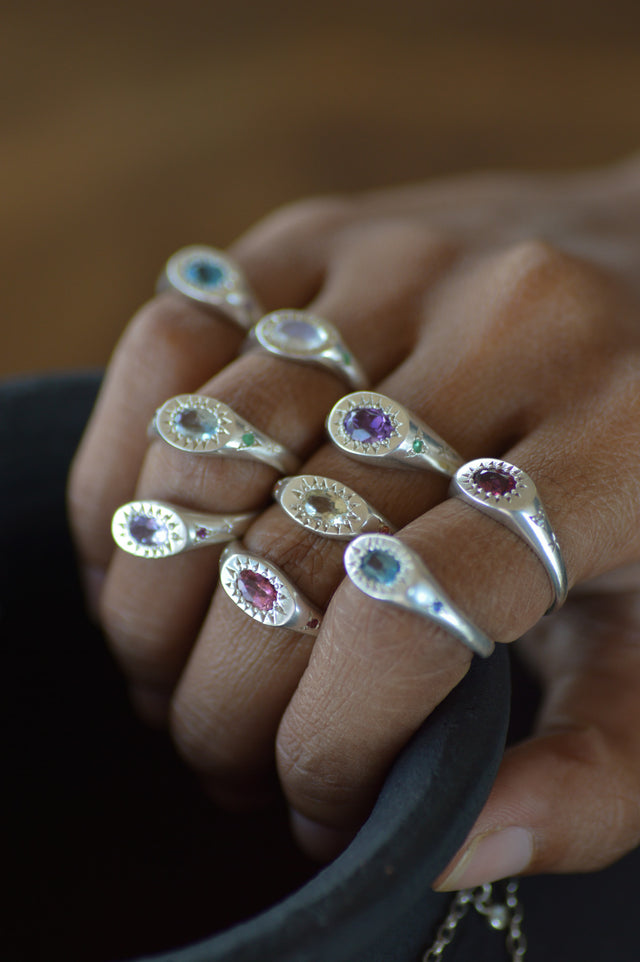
x=386, y=569
x=203, y=425
x=299, y=336
x=264, y=592
x=507, y=494
x=370, y=426
x=328, y=507
x=211, y=279
x=156, y=529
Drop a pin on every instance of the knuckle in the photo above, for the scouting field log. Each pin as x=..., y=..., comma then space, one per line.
x=159, y=321
x=312, y=779
x=297, y=220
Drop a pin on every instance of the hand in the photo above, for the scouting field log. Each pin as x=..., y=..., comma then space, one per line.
x=503, y=310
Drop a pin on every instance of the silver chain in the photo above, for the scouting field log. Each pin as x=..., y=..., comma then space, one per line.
x=504, y=915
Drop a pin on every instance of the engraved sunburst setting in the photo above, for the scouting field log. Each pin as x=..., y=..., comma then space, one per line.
x=149, y=529
x=493, y=482
x=192, y=422
x=323, y=505
x=366, y=423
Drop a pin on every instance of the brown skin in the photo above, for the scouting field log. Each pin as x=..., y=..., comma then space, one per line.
x=505, y=311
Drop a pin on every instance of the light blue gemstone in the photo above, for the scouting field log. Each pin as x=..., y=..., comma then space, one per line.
x=192, y=423
x=380, y=566
x=204, y=273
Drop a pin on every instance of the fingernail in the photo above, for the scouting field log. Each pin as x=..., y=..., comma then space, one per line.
x=318, y=841
x=491, y=856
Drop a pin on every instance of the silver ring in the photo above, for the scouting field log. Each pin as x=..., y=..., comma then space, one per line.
x=300, y=336
x=202, y=425
x=328, y=507
x=156, y=529
x=384, y=568
x=209, y=277
x=367, y=425
x=507, y=494
x=263, y=592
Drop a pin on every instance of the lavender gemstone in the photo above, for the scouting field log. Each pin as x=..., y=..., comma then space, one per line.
x=148, y=531
x=257, y=590
x=297, y=335
x=368, y=425
x=196, y=424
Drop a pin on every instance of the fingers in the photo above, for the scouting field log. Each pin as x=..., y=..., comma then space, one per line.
x=567, y=800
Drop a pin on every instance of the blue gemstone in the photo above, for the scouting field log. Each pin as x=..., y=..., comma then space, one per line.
x=437, y=606
x=204, y=273
x=201, y=425
x=380, y=566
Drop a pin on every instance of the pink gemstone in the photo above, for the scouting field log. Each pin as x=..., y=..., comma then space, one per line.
x=312, y=623
x=494, y=481
x=257, y=590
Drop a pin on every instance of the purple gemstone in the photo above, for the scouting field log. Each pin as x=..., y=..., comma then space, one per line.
x=298, y=335
x=201, y=533
x=368, y=425
x=257, y=590
x=148, y=531
x=492, y=481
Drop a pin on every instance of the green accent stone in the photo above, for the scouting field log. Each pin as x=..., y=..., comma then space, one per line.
x=417, y=445
x=346, y=357
x=248, y=439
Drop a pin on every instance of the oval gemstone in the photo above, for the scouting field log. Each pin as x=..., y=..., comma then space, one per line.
x=493, y=481
x=324, y=505
x=204, y=273
x=297, y=335
x=380, y=566
x=368, y=425
x=193, y=423
x=148, y=531
x=257, y=590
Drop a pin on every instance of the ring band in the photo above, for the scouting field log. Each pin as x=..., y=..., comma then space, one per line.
x=386, y=569
x=300, y=336
x=367, y=425
x=328, y=507
x=157, y=529
x=210, y=278
x=202, y=425
x=263, y=592
x=507, y=494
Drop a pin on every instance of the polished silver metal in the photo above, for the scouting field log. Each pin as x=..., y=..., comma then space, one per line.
x=264, y=592
x=328, y=507
x=202, y=425
x=212, y=279
x=300, y=336
x=157, y=529
x=385, y=568
x=397, y=439
x=507, y=494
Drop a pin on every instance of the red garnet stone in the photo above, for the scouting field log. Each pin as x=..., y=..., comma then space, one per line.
x=494, y=481
x=257, y=590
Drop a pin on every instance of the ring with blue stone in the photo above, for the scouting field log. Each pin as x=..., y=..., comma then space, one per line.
x=370, y=426
x=157, y=529
x=386, y=569
x=301, y=336
x=211, y=279
x=203, y=425
x=507, y=494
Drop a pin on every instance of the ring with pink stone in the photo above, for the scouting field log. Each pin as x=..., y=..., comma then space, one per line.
x=370, y=426
x=213, y=280
x=157, y=529
x=506, y=493
x=328, y=508
x=301, y=336
x=261, y=590
x=203, y=425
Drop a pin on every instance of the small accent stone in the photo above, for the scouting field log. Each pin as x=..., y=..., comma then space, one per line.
x=437, y=606
x=297, y=334
x=248, y=439
x=494, y=481
x=204, y=273
x=257, y=590
x=346, y=357
x=201, y=533
x=418, y=445
x=384, y=529
x=380, y=566
x=312, y=623
x=368, y=425
x=194, y=423
x=147, y=531
x=319, y=503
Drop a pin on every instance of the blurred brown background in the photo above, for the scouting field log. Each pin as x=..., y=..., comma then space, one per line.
x=131, y=128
